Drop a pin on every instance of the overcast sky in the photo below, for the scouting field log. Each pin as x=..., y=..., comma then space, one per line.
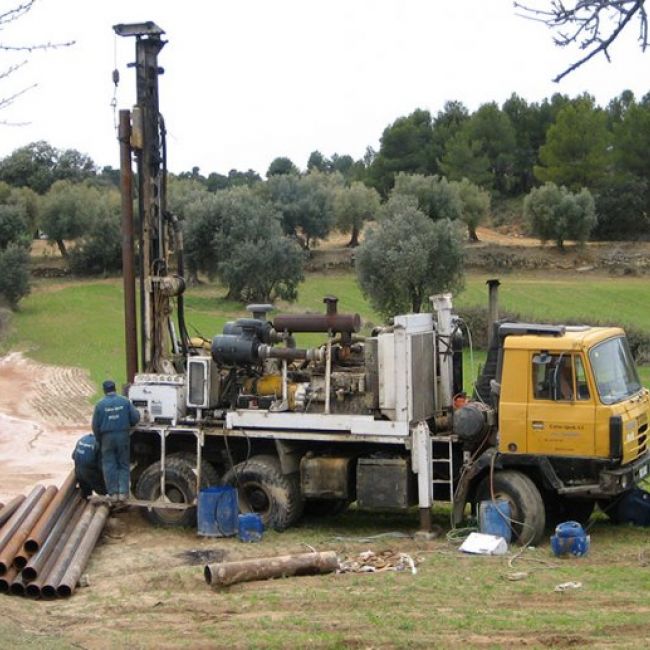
x=248, y=80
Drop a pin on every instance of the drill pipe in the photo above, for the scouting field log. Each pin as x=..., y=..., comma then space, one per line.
x=34, y=588
x=38, y=560
x=45, y=524
x=9, y=509
x=63, y=561
x=80, y=559
x=13, y=546
x=16, y=519
x=7, y=579
x=17, y=586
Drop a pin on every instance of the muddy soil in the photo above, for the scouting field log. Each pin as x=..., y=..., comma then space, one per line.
x=43, y=411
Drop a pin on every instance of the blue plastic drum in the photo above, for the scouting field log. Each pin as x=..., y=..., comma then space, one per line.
x=570, y=539
x=218, y=509
x=494, y=518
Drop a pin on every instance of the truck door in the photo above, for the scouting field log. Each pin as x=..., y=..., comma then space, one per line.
x=561, y=406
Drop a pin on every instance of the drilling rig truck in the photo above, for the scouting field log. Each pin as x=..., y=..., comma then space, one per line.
x=558, y=420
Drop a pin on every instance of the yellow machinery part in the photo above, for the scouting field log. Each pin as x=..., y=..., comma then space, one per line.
x=270, y=385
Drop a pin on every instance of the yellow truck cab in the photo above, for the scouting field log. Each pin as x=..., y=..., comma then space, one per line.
x=572, y=422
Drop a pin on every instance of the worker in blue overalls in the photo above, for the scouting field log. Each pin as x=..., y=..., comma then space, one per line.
x=112, y=419
x=88, y=466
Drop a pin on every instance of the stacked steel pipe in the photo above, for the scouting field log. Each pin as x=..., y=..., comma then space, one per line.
x=46, y=540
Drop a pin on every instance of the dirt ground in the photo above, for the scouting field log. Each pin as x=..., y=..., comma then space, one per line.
x=43, y=411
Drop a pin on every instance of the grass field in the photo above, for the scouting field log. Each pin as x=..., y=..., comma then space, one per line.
x=81, y=323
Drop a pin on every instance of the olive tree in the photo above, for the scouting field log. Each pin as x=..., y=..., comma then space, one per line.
x=14, y=253
x=14, y=274
x=436, y=197
x=352, y=206
x=98, y=250
x=475, y=205
x=67, y=210
x=306, y=203
x=236, y=236
x=555, y=214
x=407, y=257
x=13, y=228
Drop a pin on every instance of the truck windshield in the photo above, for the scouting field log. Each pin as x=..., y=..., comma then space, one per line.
x=614, y=370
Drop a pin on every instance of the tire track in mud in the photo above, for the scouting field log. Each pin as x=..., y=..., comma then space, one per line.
x=62, y=397
x=43, y=411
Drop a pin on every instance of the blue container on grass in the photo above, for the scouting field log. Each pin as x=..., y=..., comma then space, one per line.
x=218, y=509
x=570, y=539
x=250, y=527
x=494, y=518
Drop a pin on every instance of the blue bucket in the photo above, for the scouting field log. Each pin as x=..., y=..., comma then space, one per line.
x=570, y=539
x=250, y=527
x=494, y=518
x=218, y=509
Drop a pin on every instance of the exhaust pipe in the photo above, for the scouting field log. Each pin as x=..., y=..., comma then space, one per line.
x=493, y=309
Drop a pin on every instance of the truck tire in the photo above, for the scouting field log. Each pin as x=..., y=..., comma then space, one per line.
x=180, y=482
x=526, y=504
x=263, y=488
x=209, y=475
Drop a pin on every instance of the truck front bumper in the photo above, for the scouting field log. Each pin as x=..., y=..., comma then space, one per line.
x=619, y=480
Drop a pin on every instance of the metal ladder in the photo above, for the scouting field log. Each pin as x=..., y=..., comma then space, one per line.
x=443, y=462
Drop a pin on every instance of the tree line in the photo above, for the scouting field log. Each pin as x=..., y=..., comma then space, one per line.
x=582, y=170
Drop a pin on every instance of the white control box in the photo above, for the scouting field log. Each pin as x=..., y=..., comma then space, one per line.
x=158, y=403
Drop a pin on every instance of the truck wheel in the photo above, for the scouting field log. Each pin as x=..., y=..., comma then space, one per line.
x=263, y=488
x=180, y=487
x=209, y=475
x=526, y=504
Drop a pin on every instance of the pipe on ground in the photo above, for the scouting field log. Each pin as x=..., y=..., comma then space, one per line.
x=8, y=509
x=38, y=560
x=7, y=579
x=223, y=574
x=49, y=518
x=35, y=587
x=63, y=561
x=13, y=546
x=78, y=562
x=10, y=528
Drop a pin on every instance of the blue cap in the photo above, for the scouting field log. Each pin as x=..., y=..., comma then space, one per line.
x=109, y=386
